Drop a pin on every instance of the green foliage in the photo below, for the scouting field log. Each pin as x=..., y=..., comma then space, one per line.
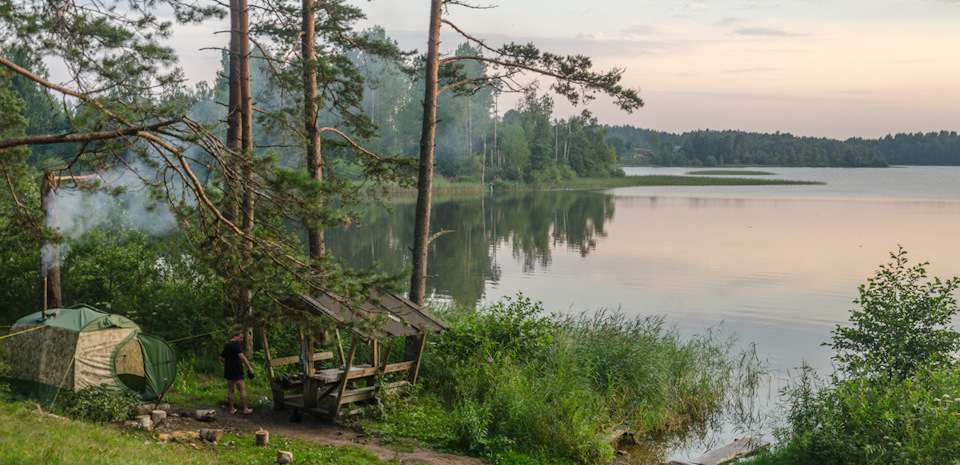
x=511, y=326
x=904, y=323
x=899, y=398
x=515, y=385
x=868, y=421
x=99, y=404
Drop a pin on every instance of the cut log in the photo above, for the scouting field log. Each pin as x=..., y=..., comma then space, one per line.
x=737, y=449
x=144, y=422
x=205, y=415
x=185, y=436
x=284, y=457
x=211, y=435
x=158, y=417
x=165, y=407
x=164, y=437
x=263, y=438
x=145, y=409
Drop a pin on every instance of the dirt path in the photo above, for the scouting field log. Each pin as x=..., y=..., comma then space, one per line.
x=317, y=431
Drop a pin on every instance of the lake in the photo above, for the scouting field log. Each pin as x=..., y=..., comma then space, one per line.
x=778, y=265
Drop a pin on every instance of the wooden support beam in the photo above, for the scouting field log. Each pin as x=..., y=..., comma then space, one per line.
x=343, y=361
x=335, y=406
x=266, y=352
x=416, y=365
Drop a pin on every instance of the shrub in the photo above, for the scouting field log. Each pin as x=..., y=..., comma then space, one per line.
x=898, y=400
x=100, y=404
x=904, y=323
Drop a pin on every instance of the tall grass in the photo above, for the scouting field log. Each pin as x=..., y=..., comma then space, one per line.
x=523, y=386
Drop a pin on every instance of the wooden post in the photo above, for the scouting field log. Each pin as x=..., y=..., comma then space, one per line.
x=375, y=350
x=335, y=406
x=386, y=357
x=310, y=384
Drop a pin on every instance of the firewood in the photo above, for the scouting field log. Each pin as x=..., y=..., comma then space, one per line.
x=284, y=457
x=145, y=409
x=185, y=436
x=263, y=438
x=205, y=415
x=211, y=435
x=145, y=422
x=158, y=417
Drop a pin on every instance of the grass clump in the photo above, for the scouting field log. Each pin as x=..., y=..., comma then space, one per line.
x=514, y=385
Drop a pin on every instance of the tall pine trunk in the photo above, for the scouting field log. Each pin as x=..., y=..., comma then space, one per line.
x=421, y=231
x=314, y=161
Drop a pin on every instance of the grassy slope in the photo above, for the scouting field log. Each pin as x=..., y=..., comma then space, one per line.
x=28, y=438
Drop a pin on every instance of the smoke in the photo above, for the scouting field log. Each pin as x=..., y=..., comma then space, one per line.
x=74, y=212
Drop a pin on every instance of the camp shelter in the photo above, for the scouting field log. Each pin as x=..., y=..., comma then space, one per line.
x=81, y=347
x=384, y=316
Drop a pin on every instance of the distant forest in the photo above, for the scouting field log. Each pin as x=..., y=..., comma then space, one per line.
x=732, y=148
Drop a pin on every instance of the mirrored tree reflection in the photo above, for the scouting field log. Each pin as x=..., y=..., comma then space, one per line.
x=462, y=262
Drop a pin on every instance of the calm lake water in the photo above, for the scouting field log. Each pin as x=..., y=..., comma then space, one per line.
x=778, y=265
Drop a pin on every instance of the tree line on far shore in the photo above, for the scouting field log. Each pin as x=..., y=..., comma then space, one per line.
x=738, y=148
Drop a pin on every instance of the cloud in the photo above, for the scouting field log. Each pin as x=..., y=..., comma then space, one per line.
x=641, y=30
x=765, y=32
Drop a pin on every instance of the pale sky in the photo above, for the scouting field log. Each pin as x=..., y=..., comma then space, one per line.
x=826, y=68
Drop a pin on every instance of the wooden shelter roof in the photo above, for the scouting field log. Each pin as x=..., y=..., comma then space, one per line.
x=397, y=316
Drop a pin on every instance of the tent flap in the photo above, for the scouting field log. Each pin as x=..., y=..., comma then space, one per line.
x=159, y=364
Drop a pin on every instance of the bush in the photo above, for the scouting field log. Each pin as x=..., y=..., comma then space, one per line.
x=100, y=404
x=904, y=323
x=898, y=400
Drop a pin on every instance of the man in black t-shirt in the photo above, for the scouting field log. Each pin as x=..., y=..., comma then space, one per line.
x=233, y=362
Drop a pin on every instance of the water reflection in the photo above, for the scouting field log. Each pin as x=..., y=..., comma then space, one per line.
x=532, y=226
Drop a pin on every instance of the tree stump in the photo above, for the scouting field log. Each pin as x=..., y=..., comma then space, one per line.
x=205, y=415
x=211, y=435
x=284, y=457
x=263, y=438
x=145, y=422
x=158, y=417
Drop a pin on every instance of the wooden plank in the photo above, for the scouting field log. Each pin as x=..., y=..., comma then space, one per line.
x=296, y=358
x=402, y=366
x=737, y=449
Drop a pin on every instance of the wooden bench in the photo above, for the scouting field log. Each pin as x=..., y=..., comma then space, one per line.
x=277, y=387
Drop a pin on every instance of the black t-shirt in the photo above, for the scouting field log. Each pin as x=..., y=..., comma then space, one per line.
x=232, y=366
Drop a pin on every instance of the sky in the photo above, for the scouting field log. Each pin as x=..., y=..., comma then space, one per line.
x=823, y=68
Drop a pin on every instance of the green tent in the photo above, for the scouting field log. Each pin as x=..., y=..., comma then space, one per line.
x=81, y=347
